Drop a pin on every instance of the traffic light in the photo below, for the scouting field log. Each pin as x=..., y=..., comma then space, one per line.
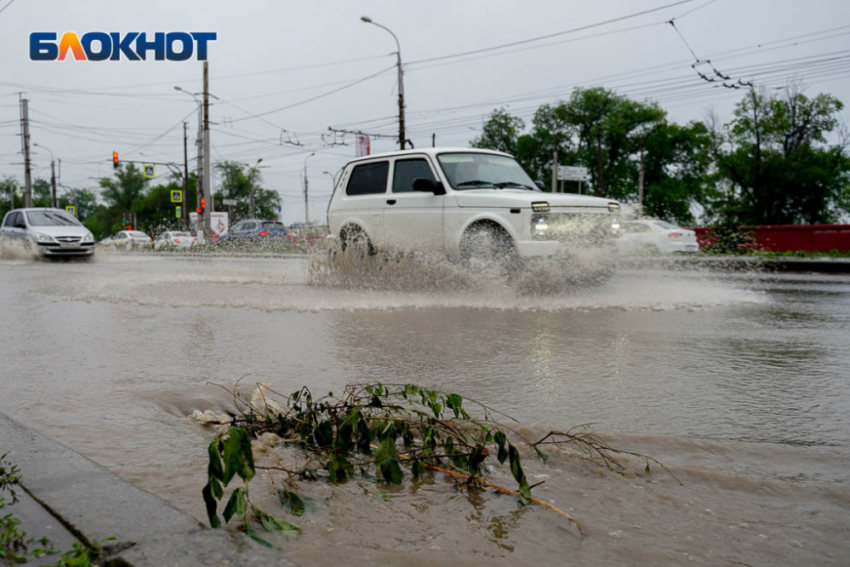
x=115, y=160
x=203, y=206
x=129, y=227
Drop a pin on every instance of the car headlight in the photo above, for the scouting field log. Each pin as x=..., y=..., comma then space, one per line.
x=39, y=237
x=88, y=238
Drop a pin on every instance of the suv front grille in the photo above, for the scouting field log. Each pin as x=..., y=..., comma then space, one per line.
x=579, y=228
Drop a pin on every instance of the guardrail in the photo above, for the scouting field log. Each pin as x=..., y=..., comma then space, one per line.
x=793, y=237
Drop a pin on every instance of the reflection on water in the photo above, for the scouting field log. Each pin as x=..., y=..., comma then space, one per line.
x=717, y=375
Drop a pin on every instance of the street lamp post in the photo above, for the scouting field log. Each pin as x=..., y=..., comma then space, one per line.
x=52, y=176
x=306, y=186
x=401, y=137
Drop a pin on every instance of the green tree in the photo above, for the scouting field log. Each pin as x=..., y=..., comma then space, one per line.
x=42, y=195
x=778, y=161
x=124, y=192
x=237, y=180
x=500, y=132
x=9, y=186
x=677, y=163
x=84, y=200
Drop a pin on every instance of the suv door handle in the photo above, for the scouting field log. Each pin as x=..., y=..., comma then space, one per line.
x=391, y=201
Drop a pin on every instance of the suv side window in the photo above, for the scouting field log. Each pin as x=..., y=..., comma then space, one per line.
x=11, y=220
x=407, y=170
x=368, y=179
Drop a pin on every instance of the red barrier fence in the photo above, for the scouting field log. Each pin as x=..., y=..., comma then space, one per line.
x=794, y=237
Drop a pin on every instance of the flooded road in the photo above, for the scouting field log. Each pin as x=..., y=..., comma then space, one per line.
x=740, y=383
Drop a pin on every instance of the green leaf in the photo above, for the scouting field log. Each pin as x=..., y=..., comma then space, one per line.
x=238, y=457
x=210, y=502
x=339, y=468
x=519, y=475
x=647, y=468
x=217, y=488
x=324, y=434
x=236, y=505
x=541, y=454
x=291, y=499
x=249, y=531
x=476, y=458
x=454, y=402
x=364, y=435
x=386, y=457
x=417, y=468
x=215, y=468
x=501, y=440
x=273, y=524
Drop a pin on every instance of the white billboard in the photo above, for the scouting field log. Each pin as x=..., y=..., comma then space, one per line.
x=572, y=173
x=218, y=225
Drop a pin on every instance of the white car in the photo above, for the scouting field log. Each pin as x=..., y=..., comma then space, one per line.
x=128, y=239
x=53, y=232
x=465, y=202
x=656, y=236
x=174, y=239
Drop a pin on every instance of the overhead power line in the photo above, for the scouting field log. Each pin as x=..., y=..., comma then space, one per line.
x=551, y=35
x=317, y=97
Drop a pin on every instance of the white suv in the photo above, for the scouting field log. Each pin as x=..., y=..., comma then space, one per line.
x=466, y=202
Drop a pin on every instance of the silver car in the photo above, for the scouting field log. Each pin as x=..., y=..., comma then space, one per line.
x=53, y=232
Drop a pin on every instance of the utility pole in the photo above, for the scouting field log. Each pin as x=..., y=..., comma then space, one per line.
x=401, y=136
x=306, y=187
x=401, y=139
x=640, y=180
x=600, y=190
x=207, y=172
x=25, y=124
x=434, y=140
x=555, y=162
x=53, y=183
x=185, y=212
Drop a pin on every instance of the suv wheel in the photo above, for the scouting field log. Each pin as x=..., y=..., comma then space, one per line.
x=489, y=245
x=353, y=237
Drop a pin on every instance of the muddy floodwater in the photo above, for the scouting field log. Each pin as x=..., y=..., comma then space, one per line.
x=739, y=383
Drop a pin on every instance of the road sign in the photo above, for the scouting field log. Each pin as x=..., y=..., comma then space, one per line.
x=178, y=212
x=571, y=173
x=229, y=202
x=71, y=209
x=20, y=190
x=149, y=170
x=177, y=196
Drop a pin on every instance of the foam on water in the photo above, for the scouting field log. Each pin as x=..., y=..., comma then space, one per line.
x=286, y=285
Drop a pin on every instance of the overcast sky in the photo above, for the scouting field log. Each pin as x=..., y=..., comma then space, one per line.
x=271, y=57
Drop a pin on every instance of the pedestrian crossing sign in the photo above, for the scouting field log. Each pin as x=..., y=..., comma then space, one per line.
x=149, y=170
x=71, y=209
x=177, y=196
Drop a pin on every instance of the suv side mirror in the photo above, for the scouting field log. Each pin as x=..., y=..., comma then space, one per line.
x=423, y=185
x=539, y=184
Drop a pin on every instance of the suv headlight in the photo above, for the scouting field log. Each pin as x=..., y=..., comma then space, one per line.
x=39, y=237
x=88, y=238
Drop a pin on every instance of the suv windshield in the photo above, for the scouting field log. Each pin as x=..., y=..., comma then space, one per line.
x=51, y=218
x=475, y=171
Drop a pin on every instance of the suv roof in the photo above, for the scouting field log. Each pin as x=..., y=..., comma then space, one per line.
x=428, y=151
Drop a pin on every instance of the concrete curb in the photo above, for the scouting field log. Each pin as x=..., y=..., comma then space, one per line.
x=95, y=504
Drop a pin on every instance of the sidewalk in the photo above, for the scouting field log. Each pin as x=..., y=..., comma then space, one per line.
x=92, y=504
